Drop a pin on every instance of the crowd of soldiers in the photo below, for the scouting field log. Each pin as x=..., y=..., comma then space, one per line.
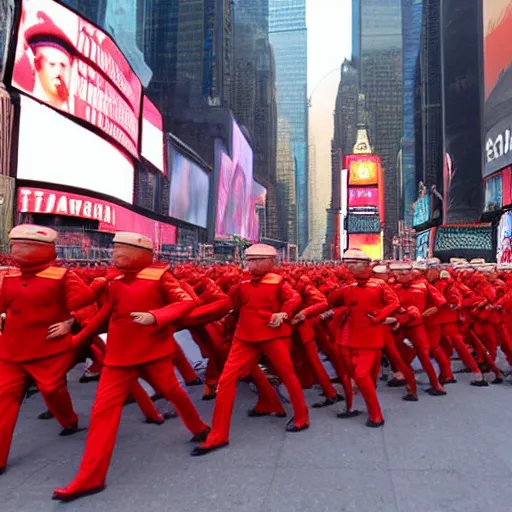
x=354, y=313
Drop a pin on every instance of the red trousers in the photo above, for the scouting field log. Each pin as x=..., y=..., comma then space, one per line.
x=115, y=384
x=418, y=337
x=363, y=365
x=242, y=358
x=397, y=362
x=307, y=337
x=487, y=333
x=183, y=365
x=434, y=334
x=49, y=375
x=452, y=335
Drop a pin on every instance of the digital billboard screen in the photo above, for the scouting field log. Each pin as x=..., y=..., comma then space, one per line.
x=424, y=245
x=497, y=18
x=504, y=245
x=152, y=147
x=110, y=217
x=361, y=197
x=370, y=244
x=235, y=178
x=67, y=63
x=190, y=190
x=363, y=169
x=421, y=213
x=493, y=193
x=258, y=202
x=54, y=149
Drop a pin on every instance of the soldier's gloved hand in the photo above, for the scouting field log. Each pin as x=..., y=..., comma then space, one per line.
x=277, y=319
x=2, y=321
x=143, y=318
x=298, y=319
x=59, y=330
x=327, y=315
x=390, y=321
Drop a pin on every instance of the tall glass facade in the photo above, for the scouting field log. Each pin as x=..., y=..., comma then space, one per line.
x=381, y=81
x=411, y=36
x=288, y=36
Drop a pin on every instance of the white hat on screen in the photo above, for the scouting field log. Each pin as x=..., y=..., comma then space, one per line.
x=33, y=233
x=133, y=240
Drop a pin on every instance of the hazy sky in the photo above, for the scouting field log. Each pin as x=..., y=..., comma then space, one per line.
x=329, y=37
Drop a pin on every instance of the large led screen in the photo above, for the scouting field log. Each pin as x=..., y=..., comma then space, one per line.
x=504, y=247
x=497, y=16
x=361, y=197
x=54, y=149
x=493, y=193
x=67, y=63
x=370, y=244
x=152, y=148
x=110, y=217
x=424, y=245
x=363, y=169
x=235, y=178
x=258, y=202
x=421, y=211
x=190, y=189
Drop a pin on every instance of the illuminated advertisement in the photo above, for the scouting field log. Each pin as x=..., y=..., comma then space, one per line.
x=68, y=154
x=363, y=197
x=190, y=189
x=110, y=217
x=363, y=169
x=152, y=148
x=235, y=178
x=504, y=247
x=258, y=202
x=497, y=18
x=493, y=193
x=421, y=213
x=70, y=65
x=370, y=244
x=464, y=241
x=424, y=245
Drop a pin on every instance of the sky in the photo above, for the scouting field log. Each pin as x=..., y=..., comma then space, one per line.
x=329, y=37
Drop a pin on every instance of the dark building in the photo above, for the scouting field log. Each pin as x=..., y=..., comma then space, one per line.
x=188, y=45
x=461, y=22
x=255, y=98
x=412, y=15
x=378, y=32
x=288, y=36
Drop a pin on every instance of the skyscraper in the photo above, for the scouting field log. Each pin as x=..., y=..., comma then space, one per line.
x=412, y=15
x=377, y=29
x=255, y=96
x=288, y=36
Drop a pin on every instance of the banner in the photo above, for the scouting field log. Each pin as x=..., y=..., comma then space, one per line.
x=70, y=65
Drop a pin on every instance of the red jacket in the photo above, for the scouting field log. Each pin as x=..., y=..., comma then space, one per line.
x=446, y=315
x=33, y=302
x=152, y=290
x=362, y=300
x=313, y=302
x=257, y=300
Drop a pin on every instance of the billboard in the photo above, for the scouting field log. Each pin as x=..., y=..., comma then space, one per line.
x=504, y=245
x=235, y=178
x=110, y=217
x=68, y=154
x=152, y=148
x=464, y=241
x=370, y=244
x=424, y=244
x=497, y=18
x=67, y=63
x=363, y=169
x=190, y=189
x=421, y=213
x=493, y=193
x=363, y=197
x=258, y=204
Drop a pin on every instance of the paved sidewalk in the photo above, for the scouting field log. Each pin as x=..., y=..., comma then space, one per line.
x=447, y=454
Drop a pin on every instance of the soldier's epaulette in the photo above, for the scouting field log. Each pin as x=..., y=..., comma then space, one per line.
x=52, y=273
x=271, y=279
x=152, y=274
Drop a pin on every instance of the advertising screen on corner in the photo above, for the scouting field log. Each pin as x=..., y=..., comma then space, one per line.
x=235, y=187
x=54, y=149
x=190, y=189
x=70, y=65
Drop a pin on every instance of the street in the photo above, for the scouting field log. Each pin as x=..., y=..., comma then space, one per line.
x=445, y=454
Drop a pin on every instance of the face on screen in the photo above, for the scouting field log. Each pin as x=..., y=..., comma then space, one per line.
x=53, y=68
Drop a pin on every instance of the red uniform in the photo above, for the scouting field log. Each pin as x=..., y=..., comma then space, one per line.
x=360, y=336
x=257, y=299
x=33, y=301
x=133, y=351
